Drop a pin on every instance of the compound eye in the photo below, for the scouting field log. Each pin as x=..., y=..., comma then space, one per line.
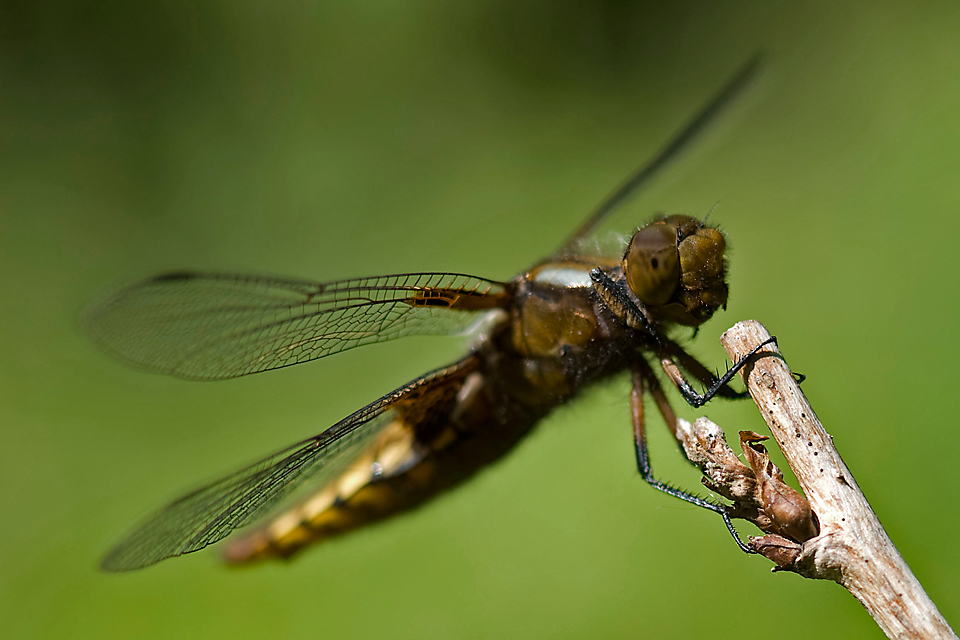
x=701, y=258
x=652, y=263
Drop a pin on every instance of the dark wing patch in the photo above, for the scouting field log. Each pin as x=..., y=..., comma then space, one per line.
x=210, y=513
x=212, y=326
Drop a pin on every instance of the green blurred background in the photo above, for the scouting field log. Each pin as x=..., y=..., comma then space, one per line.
x=338, y=139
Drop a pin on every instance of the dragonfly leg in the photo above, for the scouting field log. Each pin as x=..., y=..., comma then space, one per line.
x=695, y=368
x=644, y=380
x=716, y=386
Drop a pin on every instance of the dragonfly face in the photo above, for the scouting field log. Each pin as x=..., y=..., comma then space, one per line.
x=676, y=265
x=570, y=321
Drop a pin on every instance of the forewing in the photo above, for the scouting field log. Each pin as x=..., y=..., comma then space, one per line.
x=580, y=242
x=210, y=513
x=214, y=326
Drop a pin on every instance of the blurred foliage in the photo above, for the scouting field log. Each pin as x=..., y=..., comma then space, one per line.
x=337, y=139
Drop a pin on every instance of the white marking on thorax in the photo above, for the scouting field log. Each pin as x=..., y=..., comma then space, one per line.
x=563, y=276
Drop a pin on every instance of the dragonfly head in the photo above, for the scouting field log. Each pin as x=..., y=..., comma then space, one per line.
x=676, y=266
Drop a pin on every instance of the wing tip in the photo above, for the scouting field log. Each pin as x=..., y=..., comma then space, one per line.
x=172, y=276
x=116, y=562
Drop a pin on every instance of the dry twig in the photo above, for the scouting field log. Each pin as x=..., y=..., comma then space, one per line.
x=851, y=547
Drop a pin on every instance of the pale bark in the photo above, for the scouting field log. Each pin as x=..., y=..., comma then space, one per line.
x=852, y=548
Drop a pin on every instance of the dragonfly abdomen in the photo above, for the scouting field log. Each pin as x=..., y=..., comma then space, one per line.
x=449, y=433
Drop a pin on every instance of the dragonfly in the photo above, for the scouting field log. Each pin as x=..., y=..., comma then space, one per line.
x=573, y=319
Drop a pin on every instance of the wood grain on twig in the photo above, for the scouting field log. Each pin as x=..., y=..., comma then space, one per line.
x=852, y=548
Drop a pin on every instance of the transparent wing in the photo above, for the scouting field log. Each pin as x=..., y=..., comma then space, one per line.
x=680, y=141
x=214, y=326
x=210, y=513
